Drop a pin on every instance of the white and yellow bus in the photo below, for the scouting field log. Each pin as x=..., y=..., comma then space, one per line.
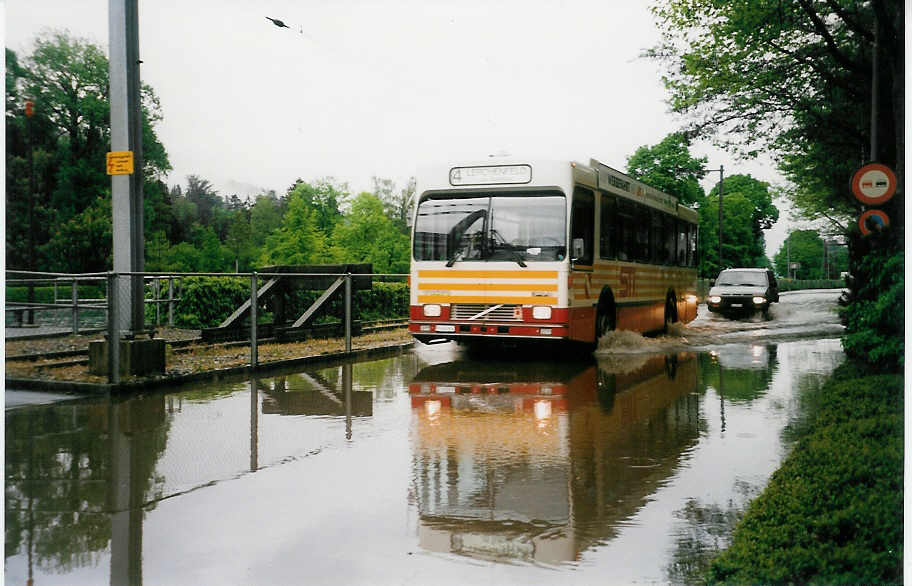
x=547, y=250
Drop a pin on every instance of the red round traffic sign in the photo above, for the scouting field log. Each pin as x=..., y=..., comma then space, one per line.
x=874, y=184
x=873, y=220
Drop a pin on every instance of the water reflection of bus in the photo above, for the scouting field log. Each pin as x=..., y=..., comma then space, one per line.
x=539, y=462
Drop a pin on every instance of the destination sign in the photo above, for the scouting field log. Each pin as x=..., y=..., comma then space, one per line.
x=491, y=175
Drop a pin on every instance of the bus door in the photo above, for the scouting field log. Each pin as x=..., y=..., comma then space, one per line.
x=583, y=294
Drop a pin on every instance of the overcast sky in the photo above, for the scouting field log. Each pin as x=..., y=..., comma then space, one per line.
x=360, y=89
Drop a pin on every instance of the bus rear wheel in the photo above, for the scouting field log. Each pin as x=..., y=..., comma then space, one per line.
x=671, y=314
x=605, y=318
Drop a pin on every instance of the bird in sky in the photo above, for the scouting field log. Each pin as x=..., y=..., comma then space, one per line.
x=278, y=22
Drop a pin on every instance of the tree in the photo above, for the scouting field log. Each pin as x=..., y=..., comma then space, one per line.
x=804, y=250
x=323, y=197
x=55, y=159
x=298, y=240
x=82, y=244
x=762, y=217
x=367, y=235
x=792, y=78
x=265, y=218
x=669, y=167
x=398, y=207
x=739, y=246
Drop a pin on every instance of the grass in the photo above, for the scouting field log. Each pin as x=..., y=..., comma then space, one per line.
x=833, y=512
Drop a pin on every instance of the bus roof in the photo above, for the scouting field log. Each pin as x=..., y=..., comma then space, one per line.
x=507, y=172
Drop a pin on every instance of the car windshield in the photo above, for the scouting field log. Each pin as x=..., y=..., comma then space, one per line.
x=741, y=279
x=520, y=228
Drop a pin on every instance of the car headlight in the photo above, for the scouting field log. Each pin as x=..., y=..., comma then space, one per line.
x=432, y=310
x=541, y=312
x=715, y=299
x=759, y=300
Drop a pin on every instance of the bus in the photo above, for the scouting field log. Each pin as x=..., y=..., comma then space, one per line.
x=547, y=250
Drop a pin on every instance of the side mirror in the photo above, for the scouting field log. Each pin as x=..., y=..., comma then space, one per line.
x=578, y=248
x=712, y=282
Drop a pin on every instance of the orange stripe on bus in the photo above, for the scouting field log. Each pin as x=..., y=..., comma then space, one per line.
x=424, y=286
x=444, y=274
x=487, y=299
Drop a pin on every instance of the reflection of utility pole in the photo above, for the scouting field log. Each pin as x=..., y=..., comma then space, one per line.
x=721, y=171
x=722, y=396
x=347, y=388
x=254, y=425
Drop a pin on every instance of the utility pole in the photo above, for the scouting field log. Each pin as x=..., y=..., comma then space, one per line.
x=126, y=136
x=721, y=171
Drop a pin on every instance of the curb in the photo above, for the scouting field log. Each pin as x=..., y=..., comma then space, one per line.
x=267, y=369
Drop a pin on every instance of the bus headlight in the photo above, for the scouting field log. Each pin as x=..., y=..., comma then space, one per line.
x=432, y=310
x=715, y=299
x=541, y=312
x=759, y=300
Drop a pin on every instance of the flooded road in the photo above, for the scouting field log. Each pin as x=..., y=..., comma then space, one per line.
x=431, y=467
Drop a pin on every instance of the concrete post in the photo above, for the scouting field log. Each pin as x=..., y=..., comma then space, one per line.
x=75, y=300
x=113, y=331
x=348, y=316
x=171, y=302
x=253, y=320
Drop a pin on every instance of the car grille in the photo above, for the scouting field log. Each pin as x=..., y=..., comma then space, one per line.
x=470, y=310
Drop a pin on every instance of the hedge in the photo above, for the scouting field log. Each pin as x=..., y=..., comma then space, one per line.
x=833, y=512
x=207, y=301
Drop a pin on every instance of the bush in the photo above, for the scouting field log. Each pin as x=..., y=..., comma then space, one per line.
x=206, y=301
x=873, y=314
x=833, y=513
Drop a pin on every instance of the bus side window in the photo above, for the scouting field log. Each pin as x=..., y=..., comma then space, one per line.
x=668, y=229
x=656, y=241
x=582, y=223
x=625, y=228
x=692, y=246
x=608, y=236
x=641, y=226
x=682, y=243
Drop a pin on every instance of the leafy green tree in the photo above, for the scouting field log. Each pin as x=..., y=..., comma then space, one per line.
x=794, y=78
x=323, y=198
x=803, y=248
x=55, y=159
x=298, y=240
x=83, y=243
x=791, y=77
x=763, y=215
x=668, y=166
x=238, y=240
x=367, y=235
x=201, y=193
x=265, y=218
x=738, y=241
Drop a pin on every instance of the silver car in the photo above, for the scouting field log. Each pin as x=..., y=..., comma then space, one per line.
x=743, y=291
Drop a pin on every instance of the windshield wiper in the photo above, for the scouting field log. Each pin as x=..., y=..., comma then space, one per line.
x=452, y=260
x=504, y=245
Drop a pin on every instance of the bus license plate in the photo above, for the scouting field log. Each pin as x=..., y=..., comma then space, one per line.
x=737, y=305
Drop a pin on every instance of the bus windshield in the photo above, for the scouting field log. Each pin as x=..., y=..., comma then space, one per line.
x=511, y=227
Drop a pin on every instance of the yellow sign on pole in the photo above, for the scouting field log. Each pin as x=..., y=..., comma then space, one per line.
x=120, y=163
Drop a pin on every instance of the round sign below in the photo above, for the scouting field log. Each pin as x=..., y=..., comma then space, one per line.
x=873, y=220
x=874, y=184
